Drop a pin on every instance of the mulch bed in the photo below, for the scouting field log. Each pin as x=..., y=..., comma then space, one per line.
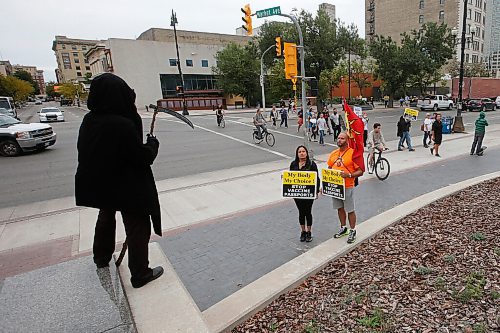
x=437, y=270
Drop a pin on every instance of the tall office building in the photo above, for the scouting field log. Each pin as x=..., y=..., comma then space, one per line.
x=329, y=9
x=70, y=55
x=492, y=47
x=393, y=17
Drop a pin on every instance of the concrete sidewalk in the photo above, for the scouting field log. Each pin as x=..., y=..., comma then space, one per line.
x=47, y=233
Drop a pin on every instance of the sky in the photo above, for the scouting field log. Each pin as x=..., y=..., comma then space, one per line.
x=28, y=27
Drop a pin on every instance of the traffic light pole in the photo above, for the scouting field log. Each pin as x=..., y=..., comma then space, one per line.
x=262, y=78
x=303, y=80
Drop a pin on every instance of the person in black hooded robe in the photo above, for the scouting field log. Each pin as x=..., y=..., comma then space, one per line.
x=114, y=174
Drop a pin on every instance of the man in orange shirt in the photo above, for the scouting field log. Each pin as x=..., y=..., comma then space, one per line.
x=341, y=159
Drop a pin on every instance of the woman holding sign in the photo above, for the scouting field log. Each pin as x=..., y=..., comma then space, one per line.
x=303, y=163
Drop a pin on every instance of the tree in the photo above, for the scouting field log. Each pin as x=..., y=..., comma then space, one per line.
x=25, y=76
x=278, y=86
x=49, y=90
x=238, y=71
x=71, y=90
x=331, y=78
x=470, y=69
x=361, y=73
x=16, y=88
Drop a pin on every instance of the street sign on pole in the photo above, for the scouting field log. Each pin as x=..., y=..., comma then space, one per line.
x=268, y=12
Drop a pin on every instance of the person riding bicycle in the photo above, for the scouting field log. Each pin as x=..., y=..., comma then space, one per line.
x=260, y=123
x=375, y=141
x=219, y=113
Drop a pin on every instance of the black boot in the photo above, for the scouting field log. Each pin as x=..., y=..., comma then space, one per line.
x=303, y=236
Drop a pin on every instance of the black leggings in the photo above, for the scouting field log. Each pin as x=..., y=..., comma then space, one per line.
x=305, y=211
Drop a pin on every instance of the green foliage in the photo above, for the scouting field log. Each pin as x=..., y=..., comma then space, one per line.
x=16, y=88
x=278, y=87
x=71, y=91
x=495, y=295
x=267, y=34
x=312, y=327
x=470, y=69
x=479, y=328
x=238, y=71
x=422, y=270
x=439, y=283
x=375, y=320
x=49, y=89
x=25, y=76
x=361, y=72
x=331, y=78
x=473, y=289
x=449, y=258
x=477, y=236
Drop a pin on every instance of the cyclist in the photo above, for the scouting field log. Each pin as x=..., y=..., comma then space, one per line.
x=375, y=141
x=260, y=123
x=219, y=113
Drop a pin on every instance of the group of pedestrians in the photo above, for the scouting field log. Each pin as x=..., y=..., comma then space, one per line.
x=340, y=159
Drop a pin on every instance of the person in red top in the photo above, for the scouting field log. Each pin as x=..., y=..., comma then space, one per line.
x=341, y=159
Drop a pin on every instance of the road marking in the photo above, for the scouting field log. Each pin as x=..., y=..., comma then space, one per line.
x=282, y=133
x=234, y=139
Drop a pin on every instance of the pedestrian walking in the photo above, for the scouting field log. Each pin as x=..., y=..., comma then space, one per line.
x=272, y=116
x=300, y=119
x=427, y=128
x=114, y=174
x=404, y=126
x=284, y=117
x=372, y=103
x=342, y=159
x=302, y=162
x=437, y=135
x=335, y=121
x=313, y=123
x=365, y=120
x=322, y=125
x=481, y=124
x=386, y=101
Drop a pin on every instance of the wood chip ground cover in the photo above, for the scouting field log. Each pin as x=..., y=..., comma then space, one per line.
x=437, y=270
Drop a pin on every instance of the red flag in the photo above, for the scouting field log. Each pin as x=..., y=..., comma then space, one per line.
x=355, y=129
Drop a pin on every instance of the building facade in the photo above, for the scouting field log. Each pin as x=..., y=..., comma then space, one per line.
x=5, y=68
x=390, y=18
x=149, y=63
x=70, y=56
x=329, y=9
x=492, y=49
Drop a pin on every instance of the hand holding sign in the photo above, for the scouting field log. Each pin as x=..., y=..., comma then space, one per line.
x=333, y=184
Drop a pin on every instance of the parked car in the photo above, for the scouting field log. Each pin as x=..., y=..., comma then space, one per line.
x=435, y=102
x=10, y=113
x=8, y=104
x=481, y=104
x=50, y=114
x=17, y=137
x=67, y=102
x=497, y=102
x=38, y=102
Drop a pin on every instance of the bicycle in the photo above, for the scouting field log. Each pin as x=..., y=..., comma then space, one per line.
x=267, y=135
x=222, y=121
x=379, y=164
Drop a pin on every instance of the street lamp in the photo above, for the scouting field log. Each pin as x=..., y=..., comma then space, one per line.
x=173, y=22
x=458, y=124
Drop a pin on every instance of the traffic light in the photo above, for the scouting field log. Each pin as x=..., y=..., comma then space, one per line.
x=290, y=51
x=247, y=19
x=278, y=46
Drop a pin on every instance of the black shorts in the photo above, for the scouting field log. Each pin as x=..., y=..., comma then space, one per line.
x=438, y=139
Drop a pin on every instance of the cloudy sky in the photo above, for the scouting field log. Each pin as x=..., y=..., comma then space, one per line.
x=28, y=27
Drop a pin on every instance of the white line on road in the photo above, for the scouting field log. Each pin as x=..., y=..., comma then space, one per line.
x=234, y=139
x=282, y=133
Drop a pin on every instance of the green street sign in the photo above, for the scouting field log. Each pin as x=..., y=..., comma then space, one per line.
x=268, y=12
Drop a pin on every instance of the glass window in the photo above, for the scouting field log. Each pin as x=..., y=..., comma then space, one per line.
x=73, y=47
x=469, y=15
x=77, y=61
x=441, y=15
x=441, y=2
x=421, y=5
x=421, y=19
x=84, y=47
x=86, y=61
x=87, y=68
x=77, y=68
x=189, y=62
x=172, y=62
x=204, y=63
x=75, y=54
x=63, y=46
x=78, y=73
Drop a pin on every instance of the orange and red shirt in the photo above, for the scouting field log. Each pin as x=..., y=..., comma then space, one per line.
x=342, y=160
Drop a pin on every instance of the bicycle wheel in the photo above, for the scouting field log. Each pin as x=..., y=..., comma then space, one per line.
x=369, y=167
x=382, y=168
x=256, y=140
x=270, y=139
x=222, y=123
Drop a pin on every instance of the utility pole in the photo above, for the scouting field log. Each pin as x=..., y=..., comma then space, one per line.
x=458, y=124
x=262, y=78
x=173, y=22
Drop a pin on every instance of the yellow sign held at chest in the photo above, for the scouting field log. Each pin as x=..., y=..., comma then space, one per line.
x=299, y=184
x=333, y=184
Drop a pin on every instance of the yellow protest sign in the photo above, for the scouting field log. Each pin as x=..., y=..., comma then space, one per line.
x=333, y=184
x=299, y=184
x=410, y=114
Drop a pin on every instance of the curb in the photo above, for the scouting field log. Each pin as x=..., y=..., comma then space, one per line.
x=243, y=304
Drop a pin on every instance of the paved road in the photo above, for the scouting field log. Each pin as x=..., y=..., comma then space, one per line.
x=50, y=174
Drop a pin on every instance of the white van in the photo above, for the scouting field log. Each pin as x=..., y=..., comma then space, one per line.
x=7, y=103
x=497, y=102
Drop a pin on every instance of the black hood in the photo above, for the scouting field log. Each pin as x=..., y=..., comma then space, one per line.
x=111, y=94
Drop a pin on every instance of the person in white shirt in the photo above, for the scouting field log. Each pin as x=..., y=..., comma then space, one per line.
x=427, y=127
x=334, y=119
x=321, y=127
